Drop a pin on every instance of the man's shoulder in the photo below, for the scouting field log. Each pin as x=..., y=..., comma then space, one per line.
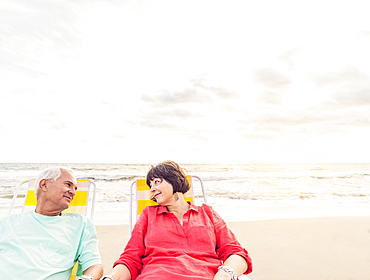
x=7, y=223
x=74, y=216
x=14, y=217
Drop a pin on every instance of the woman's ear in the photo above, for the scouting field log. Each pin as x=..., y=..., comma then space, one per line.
x=176, y=196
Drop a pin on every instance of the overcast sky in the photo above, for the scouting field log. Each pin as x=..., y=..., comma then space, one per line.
x=193, y=81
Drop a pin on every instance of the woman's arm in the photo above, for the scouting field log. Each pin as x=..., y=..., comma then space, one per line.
x=227, y=246
x=237, y=263
x=129, y=263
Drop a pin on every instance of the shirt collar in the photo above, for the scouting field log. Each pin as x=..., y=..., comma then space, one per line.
x=163, y=209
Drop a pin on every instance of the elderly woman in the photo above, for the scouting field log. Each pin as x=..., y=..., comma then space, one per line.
x=177, y=239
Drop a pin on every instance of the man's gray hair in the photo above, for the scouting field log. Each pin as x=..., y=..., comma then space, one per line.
x=51, y=173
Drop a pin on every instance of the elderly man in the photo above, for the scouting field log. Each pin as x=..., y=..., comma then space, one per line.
x=46, y=243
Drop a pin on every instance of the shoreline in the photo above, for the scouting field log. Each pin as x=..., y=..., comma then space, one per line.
x=321, y=248
x=242, y=212
x=246, y=213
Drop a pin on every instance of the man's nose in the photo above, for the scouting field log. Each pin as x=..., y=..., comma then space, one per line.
x=72, y=191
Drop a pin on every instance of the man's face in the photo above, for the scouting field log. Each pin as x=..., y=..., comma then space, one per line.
x=60, y=192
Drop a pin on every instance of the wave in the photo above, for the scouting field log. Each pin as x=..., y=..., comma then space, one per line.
x=270, y=183
x=351, y=194
x=111, y=179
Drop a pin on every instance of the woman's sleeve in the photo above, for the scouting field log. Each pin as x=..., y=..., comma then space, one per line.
x=226, y=242
x=135, y=248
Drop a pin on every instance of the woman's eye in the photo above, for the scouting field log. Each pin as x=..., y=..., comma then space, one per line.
x=155, y=182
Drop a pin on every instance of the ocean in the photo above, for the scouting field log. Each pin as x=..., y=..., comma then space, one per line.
x=237, y=192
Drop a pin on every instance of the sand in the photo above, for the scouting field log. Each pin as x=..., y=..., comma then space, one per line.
x=330, y=248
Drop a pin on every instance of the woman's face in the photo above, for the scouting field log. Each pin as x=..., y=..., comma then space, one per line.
x=162, y=191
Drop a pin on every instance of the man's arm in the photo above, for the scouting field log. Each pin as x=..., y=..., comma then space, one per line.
x=88, y=252
x=96, y=271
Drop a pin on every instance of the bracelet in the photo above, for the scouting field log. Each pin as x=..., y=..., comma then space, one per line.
x=228, y=269
x=108, y=277
x=85, y=277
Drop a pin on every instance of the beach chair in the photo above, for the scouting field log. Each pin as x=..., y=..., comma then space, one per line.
x=83, y=203
x=142, y=197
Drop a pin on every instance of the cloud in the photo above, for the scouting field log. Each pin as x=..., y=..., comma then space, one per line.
x=270, y=78
x=223, y=92
x=59, y=126
x=364, y=34
x=349, y=75
x=289, y=118
x=73, y=68
x=33, y=31
x=349, y=96
x=198, y=91
x=188, y=95
x=199, y=111
x=275, y=119
x=349, y=87
x=168, y=118
x=288, y=58
x=271, y=97
x=269, y=114
x=219, y=91
x=119, y=135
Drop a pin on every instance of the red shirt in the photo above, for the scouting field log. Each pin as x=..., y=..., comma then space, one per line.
x=161, y=248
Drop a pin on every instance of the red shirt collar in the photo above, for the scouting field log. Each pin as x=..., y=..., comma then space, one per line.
x=163, y=209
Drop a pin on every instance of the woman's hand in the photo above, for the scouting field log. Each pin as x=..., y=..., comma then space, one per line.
x=120, y=272
x=237, y=266
x=222, y=275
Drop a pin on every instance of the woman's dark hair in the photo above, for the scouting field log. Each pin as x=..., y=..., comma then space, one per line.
x=172, y=173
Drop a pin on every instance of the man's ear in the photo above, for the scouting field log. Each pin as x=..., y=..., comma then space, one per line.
x=43, y=186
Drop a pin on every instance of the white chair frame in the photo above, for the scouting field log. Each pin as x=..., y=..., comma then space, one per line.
x=90, y=209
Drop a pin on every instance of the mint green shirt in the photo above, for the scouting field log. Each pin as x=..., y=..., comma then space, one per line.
x=38, y=247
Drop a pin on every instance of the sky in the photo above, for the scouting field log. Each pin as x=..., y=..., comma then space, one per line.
x=196, y=81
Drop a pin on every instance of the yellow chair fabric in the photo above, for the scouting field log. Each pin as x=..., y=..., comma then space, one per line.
x=78, y=204
x=143, y=196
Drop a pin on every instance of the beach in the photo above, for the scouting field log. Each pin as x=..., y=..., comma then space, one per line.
x=298, y=221
x=324, y=248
